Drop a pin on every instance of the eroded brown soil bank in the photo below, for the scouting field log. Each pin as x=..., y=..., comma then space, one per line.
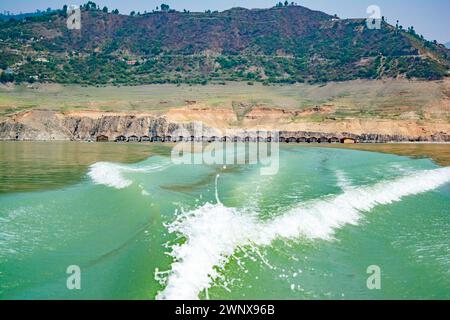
x=42, y=125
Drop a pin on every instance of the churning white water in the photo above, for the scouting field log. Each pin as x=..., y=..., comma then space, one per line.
x=214, y=232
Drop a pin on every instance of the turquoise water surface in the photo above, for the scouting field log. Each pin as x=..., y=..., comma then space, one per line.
x=159, y=230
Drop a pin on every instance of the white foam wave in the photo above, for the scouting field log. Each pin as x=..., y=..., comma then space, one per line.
x=214, y=232
x=343, y=180
x=108, y=174
x=112, y=174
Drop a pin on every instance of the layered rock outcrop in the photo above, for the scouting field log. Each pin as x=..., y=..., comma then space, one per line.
x=44, y=125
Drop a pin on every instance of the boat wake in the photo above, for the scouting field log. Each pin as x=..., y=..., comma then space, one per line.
x=214, y=232
x=112, y=174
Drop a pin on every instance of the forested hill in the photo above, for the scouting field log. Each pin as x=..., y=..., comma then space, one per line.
x=284, y=44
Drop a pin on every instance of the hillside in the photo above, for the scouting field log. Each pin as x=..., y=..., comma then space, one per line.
x=278, y=45
x=372, y=110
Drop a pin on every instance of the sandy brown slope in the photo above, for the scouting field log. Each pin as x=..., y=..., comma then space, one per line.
x=409, y=109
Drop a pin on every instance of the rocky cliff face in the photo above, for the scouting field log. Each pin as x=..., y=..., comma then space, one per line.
x=49, y=125
x=85, y=126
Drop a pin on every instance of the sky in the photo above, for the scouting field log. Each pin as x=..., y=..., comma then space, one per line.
x=430, y=18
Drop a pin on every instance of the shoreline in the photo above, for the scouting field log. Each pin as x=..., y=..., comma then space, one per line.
x=371, y=111
x=438, y=152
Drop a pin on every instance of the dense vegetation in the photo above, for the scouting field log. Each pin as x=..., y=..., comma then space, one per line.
x=285, y=44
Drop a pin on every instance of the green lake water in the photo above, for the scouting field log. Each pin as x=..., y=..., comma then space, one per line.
x=141, y=227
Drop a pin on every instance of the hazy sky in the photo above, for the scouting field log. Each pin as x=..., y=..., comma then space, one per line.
x=430, y=18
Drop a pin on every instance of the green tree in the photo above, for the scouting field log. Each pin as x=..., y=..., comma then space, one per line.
x=105, y=9
x=165, y=7
x=91, y=6
x=5, y=77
